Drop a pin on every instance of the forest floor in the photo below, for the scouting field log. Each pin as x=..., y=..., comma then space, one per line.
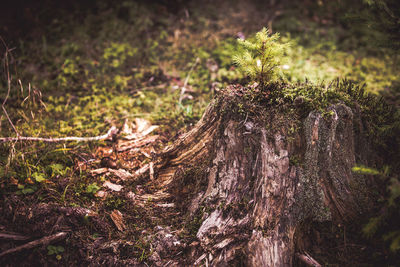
x=150, y=70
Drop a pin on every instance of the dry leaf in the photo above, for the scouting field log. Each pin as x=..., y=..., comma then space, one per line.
x=113, y=187
x=99, y=171
x=116, y=217
x=141, y=134
x=101, y=194
x=125, y=145
x=128, y=128
x=122, y=174
x=13, y=181
x=148, y=130
x=141, y=125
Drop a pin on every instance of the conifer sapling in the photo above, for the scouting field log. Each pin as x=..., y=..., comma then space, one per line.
x=260, y=58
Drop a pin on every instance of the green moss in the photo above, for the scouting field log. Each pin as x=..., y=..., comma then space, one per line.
x=115, y=202
x=194, y=222
x=294, y=160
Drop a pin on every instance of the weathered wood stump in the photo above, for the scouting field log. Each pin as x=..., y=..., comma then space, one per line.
x=254, y=179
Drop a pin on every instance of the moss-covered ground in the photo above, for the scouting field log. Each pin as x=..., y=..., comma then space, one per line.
x=79, y=71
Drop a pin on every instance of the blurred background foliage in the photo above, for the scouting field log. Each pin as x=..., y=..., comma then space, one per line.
x=86, y=65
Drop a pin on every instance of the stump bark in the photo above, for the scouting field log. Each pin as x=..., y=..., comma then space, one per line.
x=253, y=180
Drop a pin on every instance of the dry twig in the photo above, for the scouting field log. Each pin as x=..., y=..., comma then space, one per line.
x=13, y=236
x=112, y=131
x=43, y=241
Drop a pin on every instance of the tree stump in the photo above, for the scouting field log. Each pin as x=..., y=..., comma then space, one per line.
x=254, y=173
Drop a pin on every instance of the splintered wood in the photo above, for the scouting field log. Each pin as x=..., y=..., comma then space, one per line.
x=139, y=142
x=113, y=187
x=133, y=147
x=117, y=218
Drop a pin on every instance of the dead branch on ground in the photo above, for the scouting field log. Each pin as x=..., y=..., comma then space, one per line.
x=111, y=132
x=43, y=241
x=13, y=236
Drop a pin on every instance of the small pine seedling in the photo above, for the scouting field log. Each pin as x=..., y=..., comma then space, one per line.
x=259, y=59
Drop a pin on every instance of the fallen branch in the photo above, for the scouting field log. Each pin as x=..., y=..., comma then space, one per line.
x=112, y=131
x=307, y=259
x=43, y=241
x=12, y=236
